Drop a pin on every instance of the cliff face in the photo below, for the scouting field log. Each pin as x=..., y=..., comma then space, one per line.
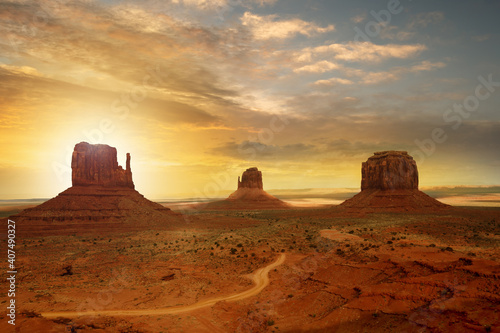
x=251, y=178
x=390, y=183
x=389, y=170
x=101, y=199
x=98, y=165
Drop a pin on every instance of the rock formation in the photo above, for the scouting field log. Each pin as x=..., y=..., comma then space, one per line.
x=98, y=165
x=389, y=182
x=249, y=195
x=389, y=170
x=102, y=198
x=251, y=178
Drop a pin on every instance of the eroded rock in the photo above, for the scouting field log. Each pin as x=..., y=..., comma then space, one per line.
x=98, y=165
x=251, y=178
x=389, y=170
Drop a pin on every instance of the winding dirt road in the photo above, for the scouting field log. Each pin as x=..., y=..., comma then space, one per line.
x=260, y=278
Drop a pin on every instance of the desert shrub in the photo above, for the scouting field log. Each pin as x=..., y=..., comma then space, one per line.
x=465, y=261
x=30, y=314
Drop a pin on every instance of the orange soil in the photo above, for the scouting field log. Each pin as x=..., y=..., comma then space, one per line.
x=344, y=272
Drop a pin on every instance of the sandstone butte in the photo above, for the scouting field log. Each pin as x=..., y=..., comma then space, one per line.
x=102, y=197
x=98, y=165
x=389, y=182
x=250, y=194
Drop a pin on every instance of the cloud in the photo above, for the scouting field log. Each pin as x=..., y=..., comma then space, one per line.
x=268, y=27
x=413, y=28
x=358, y=18
x=247, y=150
x=426, y=66
x=22, y=70
x=333, y=81
x=214, y=4
x=405, y=35
x=189, y=58
x=319, y=67
x=31, y=92
x=358, y=76
x=366, y=51
x=265, y=2
x=360, y=52
x=344, y=147
x=423, y=20
x=293, y=153
x=379, y=77
x=205, y=4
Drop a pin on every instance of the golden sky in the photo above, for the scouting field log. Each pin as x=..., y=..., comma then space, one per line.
x=199, y=90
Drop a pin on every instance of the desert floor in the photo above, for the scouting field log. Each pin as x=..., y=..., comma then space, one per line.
x=296, y=270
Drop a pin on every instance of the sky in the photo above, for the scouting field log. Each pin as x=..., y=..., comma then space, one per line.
x=200, y=90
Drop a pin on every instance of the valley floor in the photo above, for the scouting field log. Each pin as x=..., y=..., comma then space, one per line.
x=341, y=272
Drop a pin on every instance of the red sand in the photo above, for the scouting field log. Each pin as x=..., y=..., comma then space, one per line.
x=383, y=272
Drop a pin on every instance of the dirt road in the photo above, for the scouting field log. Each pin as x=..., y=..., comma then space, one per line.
x=260, y=278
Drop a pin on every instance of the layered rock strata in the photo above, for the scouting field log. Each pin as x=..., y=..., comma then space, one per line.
x=98, y=165
x=102, y=198
x=389, y=170
x=389, y=182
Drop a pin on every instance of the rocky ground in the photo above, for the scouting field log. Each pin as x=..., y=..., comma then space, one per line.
x=344, y=272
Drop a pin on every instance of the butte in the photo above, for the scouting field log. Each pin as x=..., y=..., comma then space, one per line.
x=249, y=195
x=102, y=198
x=389, y=182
